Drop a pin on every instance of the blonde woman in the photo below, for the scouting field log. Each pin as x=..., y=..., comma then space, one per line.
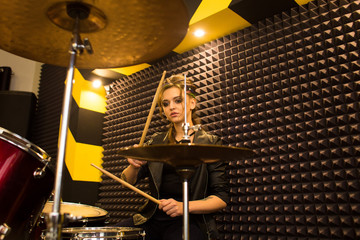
x=208, y=188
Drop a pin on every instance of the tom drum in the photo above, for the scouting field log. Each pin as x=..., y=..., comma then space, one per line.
x=26, y=183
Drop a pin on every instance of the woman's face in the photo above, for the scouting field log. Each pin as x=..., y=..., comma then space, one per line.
x=173, y=106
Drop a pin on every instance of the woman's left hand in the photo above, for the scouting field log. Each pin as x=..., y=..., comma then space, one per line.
x=171, y=207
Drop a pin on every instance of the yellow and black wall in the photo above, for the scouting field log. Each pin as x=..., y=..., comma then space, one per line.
x=83, y=147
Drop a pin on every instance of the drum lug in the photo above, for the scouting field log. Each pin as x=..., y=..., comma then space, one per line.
x=76, y=237
x=40, y=172
x=143, y=234
x=119, y=236
x=4, y=230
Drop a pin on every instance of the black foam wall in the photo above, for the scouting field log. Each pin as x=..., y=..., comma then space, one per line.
x=288, y=88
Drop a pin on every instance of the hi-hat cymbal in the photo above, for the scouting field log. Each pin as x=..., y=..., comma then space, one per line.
x=186, y=155
x=121, y=32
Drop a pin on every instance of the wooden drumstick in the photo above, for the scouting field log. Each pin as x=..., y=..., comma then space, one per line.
x=127, y=184
x=151, y=110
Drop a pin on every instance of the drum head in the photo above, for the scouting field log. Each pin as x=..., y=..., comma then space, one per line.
x=103, y=233
x=76, y=210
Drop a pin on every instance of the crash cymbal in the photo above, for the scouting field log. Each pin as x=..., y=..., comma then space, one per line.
x=121, y=32
x=185, y=155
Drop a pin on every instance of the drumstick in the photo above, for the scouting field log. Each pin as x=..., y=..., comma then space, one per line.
x=126, y=184
x=151, y=110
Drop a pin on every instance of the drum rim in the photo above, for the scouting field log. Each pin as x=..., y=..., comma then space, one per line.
x=25, y=145
x=103, y=229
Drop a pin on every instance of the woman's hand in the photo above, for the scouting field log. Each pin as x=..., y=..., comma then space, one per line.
x=136, y=163
x=130, y=173
x=171, y=207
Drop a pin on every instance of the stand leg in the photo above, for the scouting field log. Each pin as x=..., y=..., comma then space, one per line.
x=55, y=231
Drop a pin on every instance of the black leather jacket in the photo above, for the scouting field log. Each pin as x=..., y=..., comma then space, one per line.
x=208, y=179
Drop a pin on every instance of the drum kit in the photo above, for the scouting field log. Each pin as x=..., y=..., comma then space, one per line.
x=120, y=33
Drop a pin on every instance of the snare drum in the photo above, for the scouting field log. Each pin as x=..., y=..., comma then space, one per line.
x=78, y=215
x=26, y=183
x=103, y=233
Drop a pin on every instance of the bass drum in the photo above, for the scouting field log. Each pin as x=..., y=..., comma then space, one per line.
x=26, y=183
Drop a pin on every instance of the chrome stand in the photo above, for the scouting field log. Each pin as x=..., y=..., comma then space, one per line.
x=185, y=173
x=55, y=219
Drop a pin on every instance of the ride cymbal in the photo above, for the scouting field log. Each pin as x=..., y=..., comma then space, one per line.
x=121, y=32
x=186, y=155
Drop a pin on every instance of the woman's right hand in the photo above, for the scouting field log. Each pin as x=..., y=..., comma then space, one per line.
x=136, y=163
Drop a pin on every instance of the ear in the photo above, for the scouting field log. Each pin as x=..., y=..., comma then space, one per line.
x=192, y=103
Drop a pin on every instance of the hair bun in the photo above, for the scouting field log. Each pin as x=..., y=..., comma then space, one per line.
x=178, y=80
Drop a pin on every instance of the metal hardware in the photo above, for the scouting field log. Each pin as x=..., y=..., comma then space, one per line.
x=4, y=230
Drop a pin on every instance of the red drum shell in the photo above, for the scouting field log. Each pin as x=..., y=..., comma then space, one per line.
x=22, y=195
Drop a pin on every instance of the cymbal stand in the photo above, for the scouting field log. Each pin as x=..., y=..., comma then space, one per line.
x=185, y=173
x=55, y=219
x=186, y=137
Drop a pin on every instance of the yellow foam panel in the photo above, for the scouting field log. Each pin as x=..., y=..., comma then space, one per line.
x=215, y=26
x=86, y=96
x=78, y=158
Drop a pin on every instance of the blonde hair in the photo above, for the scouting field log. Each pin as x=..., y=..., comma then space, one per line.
x=178, y=82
